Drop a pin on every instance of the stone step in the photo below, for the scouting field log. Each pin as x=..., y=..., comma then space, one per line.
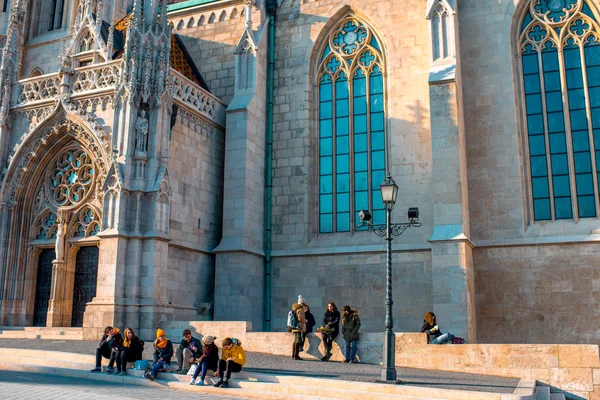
x=557, y=396
x=41, y=333
x=542, y=393
x=277, y=384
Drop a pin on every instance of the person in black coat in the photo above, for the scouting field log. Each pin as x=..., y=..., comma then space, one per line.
x=163, y=351
x=208, y=360
x=131, y=351
x=434, y=335
x=310, y=324
x=110, y=339
x=330, y=328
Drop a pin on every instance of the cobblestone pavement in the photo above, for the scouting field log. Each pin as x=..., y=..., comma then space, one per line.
x=266, y=363
x=27, y=386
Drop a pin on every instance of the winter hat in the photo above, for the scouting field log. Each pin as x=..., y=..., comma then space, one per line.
x=160, y=332
x=208, y=340
x=301, y=300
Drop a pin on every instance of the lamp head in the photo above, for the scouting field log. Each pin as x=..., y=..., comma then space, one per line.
x=389, y=192
x=364, y=215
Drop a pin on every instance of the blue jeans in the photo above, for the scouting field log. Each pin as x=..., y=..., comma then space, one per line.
x=158, y=365
x=201, y=366
x=446, y=337
x=351, y=350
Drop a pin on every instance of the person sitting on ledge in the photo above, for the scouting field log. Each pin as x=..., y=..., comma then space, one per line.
x=131, y=351
x=434, y=335
x=330, y=329
x=163, y=351
x=233, y=358
x=188, y=351
x=208, y=360
x=104, y=349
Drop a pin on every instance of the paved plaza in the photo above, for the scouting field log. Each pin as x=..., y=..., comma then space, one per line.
x=27, y=385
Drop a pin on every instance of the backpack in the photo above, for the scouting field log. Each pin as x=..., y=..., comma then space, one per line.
x=292, y=321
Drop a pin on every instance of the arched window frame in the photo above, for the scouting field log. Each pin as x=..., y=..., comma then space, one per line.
x=543, y=34
x=362, y=188
x=440, y=14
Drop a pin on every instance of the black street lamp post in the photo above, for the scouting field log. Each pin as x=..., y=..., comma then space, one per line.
x=389, y=191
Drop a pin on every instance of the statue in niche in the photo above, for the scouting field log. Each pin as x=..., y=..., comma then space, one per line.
x=60, y=237
x=141, y=130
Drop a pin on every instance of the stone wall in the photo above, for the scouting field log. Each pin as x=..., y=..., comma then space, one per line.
x=357, y=280
x=210, y=35
x=538, y=294
x=196, y=179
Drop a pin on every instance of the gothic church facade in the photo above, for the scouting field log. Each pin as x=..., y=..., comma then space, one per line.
x=171, y=161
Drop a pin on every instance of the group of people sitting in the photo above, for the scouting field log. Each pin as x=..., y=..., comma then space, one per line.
x=301, y=322
x=201, y=356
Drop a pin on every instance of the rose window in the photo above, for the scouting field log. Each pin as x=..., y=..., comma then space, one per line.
x=72, y=177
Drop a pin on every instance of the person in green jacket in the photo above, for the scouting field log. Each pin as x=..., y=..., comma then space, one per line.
x=350, y=327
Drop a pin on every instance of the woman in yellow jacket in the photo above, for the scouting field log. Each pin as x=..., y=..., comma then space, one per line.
x=233, y=358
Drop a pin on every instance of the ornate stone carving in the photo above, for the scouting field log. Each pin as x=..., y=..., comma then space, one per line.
x=99, y=76
x=72, y=177
x=192, y=95
x=87, y=223
x=60, y=236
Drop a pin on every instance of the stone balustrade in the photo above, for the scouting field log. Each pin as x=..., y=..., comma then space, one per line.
x=572, y=368
x=196, y=99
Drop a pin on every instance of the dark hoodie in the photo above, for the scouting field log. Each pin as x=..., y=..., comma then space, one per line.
x=350, y=326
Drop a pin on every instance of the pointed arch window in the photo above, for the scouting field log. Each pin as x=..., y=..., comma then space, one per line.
x=559, y=57
x=352, y=140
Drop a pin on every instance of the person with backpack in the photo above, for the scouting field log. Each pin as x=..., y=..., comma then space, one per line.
x=131, y=351
x=297, y=325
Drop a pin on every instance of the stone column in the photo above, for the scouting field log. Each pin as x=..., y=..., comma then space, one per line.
x=452, y=259
x=239, y=271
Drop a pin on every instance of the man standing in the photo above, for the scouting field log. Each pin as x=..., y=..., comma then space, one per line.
x=188, y=351
x=350, y=327
x=299, y=329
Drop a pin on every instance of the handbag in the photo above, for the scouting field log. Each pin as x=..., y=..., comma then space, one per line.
x=192, y=370
x=141, y=365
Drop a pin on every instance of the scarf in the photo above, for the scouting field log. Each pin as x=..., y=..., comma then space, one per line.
x=161, y=344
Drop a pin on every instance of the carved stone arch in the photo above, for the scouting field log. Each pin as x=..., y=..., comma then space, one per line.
x=180, y=25
x=37, y=71
x=190, y=23
x=201, y=20
x=222, y=16
x=321, y=41
x=61, y=126
x=44, y=225
x=85, y=222
x=234, y=13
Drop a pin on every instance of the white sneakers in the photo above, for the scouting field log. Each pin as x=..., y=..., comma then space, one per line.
x=199, y=383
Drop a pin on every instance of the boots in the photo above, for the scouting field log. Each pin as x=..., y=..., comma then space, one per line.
x=294, y=351
x=295, y=355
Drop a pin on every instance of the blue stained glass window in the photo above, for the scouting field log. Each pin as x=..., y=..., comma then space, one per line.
x=352, y=128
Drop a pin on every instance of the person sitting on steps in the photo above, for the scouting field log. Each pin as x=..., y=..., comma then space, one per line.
x=163, y=351
x=233, y=358
x=131, y=351
x=188, y=351
x=208, y=360
x=105, y=346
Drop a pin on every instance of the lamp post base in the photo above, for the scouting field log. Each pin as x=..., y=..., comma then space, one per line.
x=388, y=373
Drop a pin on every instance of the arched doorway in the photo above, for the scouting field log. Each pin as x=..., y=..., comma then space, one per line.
x=84, y=287
x=43, y=286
